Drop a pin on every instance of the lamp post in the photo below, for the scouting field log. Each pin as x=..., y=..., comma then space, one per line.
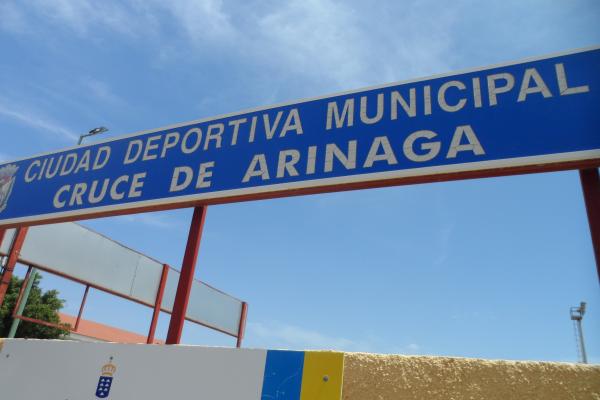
x=95, y=131
x=34, y=273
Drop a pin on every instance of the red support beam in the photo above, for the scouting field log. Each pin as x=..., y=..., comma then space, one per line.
x=186, y=278
x=13, y=257
x=157, y=304
x=2, y=233
x=87, y=289
x=242, y=327
x=590, y=183
x=64, y=327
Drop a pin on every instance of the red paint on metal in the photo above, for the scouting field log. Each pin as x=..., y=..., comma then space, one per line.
x=590, y=183
x=45, y=323
x=51, y=271
x=22, y=291
x=13, y=256
x=87, y=289
x=186, y=278
x=90, y=285
x=242, y=327
x=158, y=303
x=2, y=233
x=489, y=173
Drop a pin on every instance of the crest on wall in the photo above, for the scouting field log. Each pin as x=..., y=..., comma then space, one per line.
x=7, y=181
x=106, y=379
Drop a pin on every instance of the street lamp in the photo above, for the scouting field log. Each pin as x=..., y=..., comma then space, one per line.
x=93, y=132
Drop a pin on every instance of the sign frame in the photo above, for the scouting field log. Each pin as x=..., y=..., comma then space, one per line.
x=586, y=161
x=447, y=172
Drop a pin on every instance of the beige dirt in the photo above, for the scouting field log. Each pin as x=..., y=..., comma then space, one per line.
x=393, y=377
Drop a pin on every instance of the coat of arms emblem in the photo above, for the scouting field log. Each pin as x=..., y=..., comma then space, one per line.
x=7, y=181
x=105, y=381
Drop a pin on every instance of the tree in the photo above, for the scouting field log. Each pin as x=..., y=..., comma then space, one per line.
x=40, y=305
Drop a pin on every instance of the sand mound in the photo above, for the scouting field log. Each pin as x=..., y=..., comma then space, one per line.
x=392, y=377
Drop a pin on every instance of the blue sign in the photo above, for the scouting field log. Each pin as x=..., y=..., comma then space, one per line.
x=524, y=114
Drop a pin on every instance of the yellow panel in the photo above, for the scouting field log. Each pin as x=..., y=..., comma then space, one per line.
x=323, y=376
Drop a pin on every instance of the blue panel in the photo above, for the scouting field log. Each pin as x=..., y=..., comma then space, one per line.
x=534, y=112
x=283, y=375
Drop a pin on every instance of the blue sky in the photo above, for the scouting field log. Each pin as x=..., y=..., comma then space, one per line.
x=479, y=268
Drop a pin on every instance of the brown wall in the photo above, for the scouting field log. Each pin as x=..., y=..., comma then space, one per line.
x=383, y=377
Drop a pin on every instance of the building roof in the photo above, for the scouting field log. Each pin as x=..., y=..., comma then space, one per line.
x=90, y=330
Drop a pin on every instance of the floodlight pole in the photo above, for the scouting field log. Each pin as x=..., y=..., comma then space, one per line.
x=577, y=314
x=580, y=331
x=590, y=183
x=186, y=277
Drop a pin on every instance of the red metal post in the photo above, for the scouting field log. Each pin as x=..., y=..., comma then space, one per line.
x=13, y=257
x=242, y=327
x=87, y=289
x=590, y=183
x=157, y=304
x=186, y=278
x=22, y=290
x=64, y=327
x=2, y=233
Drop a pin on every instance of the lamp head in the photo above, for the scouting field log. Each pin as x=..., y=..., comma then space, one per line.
x=98, y=130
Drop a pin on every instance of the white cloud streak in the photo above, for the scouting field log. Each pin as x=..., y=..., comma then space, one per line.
x=103, y=92
x=203, y=21
x=333, y=41
x=151, y=220
x=314, y=38
x=34, y=120
x=277, y=335
x=326, y=42
x=445, y=234
x=11, y=18
x=85, y=16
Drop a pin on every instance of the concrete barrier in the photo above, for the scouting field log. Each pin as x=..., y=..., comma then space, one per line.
x=75, y=370
x=392, y=377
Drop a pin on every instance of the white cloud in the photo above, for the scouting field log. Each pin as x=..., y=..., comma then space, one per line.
x=152, y=220
x=203, y=20
x=412, y=348
x=75, y=14
x=332, y=40
x=445, y=234
x=328, y=43
x=33, y=119
x=11, y=18
x=276, y=335
x=103, y=92
x=85, y=17
x=315, y=38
